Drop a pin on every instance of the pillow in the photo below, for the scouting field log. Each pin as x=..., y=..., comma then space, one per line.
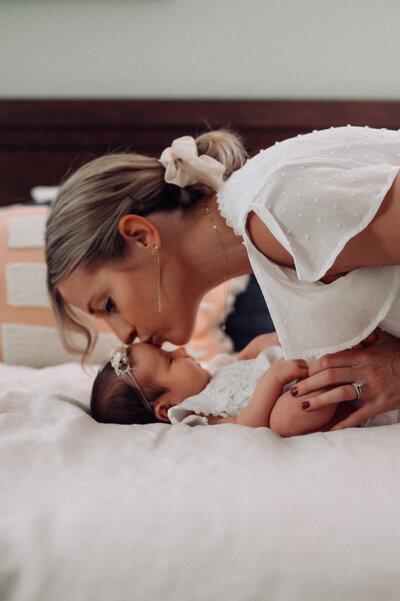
x=44, y=194
x=28, y=334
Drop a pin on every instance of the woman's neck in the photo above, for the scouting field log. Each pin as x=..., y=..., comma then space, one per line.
x=199, y=239
x=228, y=251
x=216, y=252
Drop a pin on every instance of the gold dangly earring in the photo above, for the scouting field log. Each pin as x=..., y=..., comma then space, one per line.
x=158, y=277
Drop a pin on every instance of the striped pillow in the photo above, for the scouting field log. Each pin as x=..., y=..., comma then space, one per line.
x=28, y=334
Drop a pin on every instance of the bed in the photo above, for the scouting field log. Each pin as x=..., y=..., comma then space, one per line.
x=93, y=512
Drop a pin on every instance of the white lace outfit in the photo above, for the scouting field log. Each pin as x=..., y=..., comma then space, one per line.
x=231, y=387
x=228, y=392
x=314, y=193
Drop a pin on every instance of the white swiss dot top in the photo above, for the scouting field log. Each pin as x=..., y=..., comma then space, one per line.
x=314, y=193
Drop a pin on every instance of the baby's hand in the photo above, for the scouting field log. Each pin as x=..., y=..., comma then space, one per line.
x=287, y=371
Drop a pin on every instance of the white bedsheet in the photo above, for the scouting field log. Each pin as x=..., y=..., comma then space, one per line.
x=92, y=512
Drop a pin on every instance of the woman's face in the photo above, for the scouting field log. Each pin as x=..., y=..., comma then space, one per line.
x=125, y=296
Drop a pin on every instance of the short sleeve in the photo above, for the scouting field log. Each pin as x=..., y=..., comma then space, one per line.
x=314, y=193
x=315, y=207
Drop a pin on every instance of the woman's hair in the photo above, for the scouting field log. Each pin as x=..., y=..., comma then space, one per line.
x=115, y=401
x=82, y=228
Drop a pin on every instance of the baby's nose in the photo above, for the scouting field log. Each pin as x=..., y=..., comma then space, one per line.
x=180, y=352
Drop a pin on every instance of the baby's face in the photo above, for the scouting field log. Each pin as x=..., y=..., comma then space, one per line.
x=175, y=370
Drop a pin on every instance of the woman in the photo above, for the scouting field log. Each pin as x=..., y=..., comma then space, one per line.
x=138, y=242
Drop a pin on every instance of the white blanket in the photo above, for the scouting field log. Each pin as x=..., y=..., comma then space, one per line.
x=92, y=512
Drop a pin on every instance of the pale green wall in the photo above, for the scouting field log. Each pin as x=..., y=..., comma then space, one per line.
x=202, y=48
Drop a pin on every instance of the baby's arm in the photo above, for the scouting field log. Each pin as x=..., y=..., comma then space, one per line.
x=289, y=419
x=258, y=344
x=268, y=389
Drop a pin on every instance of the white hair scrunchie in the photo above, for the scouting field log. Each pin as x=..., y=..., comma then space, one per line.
x=184, y=167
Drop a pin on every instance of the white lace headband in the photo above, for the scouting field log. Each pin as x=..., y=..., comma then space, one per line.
x=120, y=363
x=184, y=167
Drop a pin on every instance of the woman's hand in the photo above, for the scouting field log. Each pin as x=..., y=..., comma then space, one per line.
x=258, y=344
x=377, y=366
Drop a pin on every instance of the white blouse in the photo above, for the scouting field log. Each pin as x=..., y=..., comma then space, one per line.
x=228, y=392
x=314, y=193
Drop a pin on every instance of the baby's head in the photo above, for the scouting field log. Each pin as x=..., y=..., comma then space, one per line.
x=141, y=382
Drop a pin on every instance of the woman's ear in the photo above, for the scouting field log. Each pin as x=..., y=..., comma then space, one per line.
x=134, y=228
x=161, y=406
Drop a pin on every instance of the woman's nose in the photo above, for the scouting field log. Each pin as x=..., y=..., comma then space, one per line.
x=125, y=332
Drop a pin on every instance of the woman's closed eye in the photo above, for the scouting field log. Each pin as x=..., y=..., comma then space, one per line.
x=110, y=306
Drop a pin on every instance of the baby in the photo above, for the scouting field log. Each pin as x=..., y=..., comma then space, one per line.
x=143, y=383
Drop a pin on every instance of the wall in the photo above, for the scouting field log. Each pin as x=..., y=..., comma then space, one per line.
x=200, y=49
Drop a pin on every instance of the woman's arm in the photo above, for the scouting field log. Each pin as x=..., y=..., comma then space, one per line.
x=378, y=244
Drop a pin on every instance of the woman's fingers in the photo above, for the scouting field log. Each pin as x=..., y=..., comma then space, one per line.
x=324, y=379
x=328, y=397
x=377, y=349
x=356, y=419
x=348, y=358
x=375, y=363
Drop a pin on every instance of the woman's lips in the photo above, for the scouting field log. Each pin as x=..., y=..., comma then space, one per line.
x=151, y=340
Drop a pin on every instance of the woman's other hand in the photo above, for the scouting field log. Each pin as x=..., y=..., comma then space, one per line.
x=376, y=366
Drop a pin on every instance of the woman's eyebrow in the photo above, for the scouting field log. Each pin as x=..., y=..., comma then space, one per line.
x=90, y=308
x=93, y=301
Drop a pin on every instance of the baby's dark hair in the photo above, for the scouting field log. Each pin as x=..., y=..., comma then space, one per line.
x=114, y=401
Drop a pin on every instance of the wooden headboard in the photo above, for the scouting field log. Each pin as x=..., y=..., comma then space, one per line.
x=41, y=140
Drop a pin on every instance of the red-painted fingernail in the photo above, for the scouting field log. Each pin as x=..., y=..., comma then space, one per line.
x=305, y=405
x=294, y=391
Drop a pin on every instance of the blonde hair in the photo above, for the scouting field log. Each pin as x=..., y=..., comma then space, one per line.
x=82, y=228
